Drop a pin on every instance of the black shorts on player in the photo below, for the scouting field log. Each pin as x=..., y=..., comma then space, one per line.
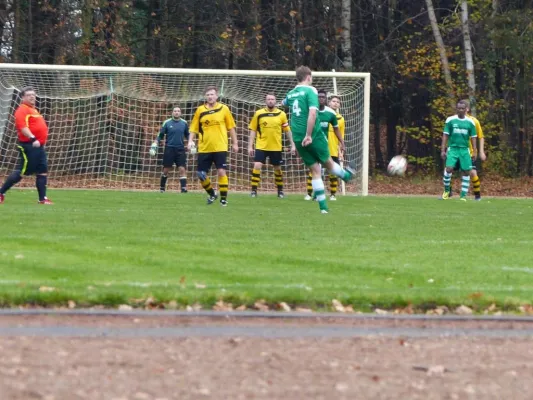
x=206, y=160
x=33, y=160
x=174, y=155
x=275, y=157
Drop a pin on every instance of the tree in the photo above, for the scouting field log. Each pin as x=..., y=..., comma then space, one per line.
x=468, y=56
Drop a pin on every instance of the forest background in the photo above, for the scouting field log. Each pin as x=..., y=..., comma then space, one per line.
x=423, y=55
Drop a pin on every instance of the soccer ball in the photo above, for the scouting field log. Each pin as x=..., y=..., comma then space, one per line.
x=397, y=165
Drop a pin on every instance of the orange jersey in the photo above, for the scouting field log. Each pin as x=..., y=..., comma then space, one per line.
x=28, y=117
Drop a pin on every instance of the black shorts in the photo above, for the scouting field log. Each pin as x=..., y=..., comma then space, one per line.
x=205, y=160
x=32, y=159
x=336, y=159
x=275, y=157
x=174, y=155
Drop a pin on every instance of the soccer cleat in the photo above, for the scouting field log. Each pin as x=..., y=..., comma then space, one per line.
x=253, y=193
x=323, y=211
x=161, y=190
x=477, y=198
x=212, y=199
x=184, y=191
x=462, y=198
x=281, y=195
x=333, y=198
x=350, y=168
x=307, y=197
x=445, y=195
x=45, y=201
x=224, y=203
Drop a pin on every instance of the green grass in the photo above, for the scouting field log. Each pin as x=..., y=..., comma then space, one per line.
x=111, y=248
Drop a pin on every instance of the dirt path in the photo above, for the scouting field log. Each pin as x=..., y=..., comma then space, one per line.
x=160, y=356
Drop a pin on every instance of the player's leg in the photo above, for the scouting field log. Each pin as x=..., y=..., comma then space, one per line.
x=15, y=176
x=259, y=160
x=318, y=187
x=333, y=181
x=181, y=162
x=223, y=182
x=168, y=162
x=452, y=158
x=474, y=178
x=38, y=156
x=276, y=159
x=466, y=166
x=309, y=195
x=204, y=165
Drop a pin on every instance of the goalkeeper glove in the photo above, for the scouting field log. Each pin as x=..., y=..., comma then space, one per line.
x=192, y=148
x=153, y=149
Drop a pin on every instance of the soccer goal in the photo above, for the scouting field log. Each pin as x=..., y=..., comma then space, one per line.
x=102, y=121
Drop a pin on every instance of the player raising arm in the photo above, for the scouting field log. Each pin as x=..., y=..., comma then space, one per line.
x=176, y=131
x=310, y=141
x=266, y=129
x=212, y=122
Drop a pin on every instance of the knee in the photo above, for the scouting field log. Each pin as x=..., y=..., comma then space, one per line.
x=201, y=175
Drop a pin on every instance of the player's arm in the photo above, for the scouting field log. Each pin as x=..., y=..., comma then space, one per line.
x=251, y=142
x=230, y=123
x=342, y=128
x=21, y=122
x=193, y=129
x=473, y=139
x=288, y=132
x=155, y=143
x=481, y=138
x=311, y=119
x=445, y=134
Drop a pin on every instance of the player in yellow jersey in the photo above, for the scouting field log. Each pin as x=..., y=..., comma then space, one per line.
x=334, y=146
x=213, y=122
x=266, y=128
x=476, y=184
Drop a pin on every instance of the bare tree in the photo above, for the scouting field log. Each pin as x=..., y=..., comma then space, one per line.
x=468, y=56
x=442, y=51
x=346, y=33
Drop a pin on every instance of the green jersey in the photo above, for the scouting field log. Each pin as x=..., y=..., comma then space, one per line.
x=300, y=100
x=459, y=131
x=327, y=117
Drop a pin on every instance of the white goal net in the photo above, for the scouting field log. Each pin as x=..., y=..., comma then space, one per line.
x=102, y=121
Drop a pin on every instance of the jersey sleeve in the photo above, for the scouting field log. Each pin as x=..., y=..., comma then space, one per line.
x=447, y=128
x=312, y=98
x=162, y=131
x=473, y=130
x=186, y=130
x=195, y=123
x=253, y=122
x=284, y=122
x=230, y=122
x=333, y=121
x=21, y=120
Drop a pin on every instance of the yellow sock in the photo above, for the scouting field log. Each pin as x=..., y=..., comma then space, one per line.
x=333, y=184
x=256, y=178
x=278, y=177
x=223, y=187
x=206, y=184
x=309, y=184
x=476, y=184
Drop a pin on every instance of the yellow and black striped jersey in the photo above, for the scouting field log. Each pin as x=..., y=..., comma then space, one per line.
x=332, y=138
x=269, y=125
x=212, y=126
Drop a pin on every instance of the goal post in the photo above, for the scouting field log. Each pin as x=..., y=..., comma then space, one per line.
x=102, y=121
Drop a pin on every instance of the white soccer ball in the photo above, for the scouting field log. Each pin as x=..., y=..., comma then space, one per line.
x=397, y=165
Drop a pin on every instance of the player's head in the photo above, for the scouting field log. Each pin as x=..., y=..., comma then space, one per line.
x=461, y=109
x=467, y=103
x=322, y=97
x=303, y=75
x=270, y=100
x=176, y=113
x=211, y=95
x=335, y=102
x=28, y=95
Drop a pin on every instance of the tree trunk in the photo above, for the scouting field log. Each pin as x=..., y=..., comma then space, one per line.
x=346, y=34
x=468, y=56
x=442, y=52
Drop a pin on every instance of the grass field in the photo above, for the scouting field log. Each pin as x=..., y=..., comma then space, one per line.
x=113, y=248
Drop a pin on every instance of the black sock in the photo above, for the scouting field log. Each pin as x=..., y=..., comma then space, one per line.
x=40, y=182
x=183, y=183
x=163, y=183
x=11, y=180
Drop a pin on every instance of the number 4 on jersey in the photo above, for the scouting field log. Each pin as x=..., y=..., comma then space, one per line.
x=296, y=109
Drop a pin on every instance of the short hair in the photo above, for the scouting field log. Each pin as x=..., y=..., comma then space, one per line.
x=302, y=72
x=26, y=89
x=173, y=108
x=322, y=91
x=211, y=87
x=465, y=102
x=335, y=97
x=270, y=94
